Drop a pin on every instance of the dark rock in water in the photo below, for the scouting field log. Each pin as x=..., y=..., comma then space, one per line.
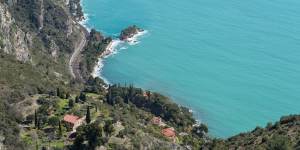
x=129, y=32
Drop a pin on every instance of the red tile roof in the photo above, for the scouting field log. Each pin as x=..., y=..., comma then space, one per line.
x=168, y=132
x=71, y=118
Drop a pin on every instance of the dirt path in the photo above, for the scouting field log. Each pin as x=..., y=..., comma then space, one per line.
x=75, y=58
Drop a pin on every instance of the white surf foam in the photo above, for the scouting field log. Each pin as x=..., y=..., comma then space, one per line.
x=113, y=49
x=84, y=22
x=134, y=40
x=109, y=51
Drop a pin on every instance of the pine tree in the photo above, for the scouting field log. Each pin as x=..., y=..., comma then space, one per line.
x=88, y=115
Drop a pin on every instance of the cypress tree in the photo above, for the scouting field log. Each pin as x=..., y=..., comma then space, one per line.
x=82, y=96
x=109, y=97
x=88, y=115
x=59, y=129
x=38, y=123
x=67, y=95
x=57, y=92
x=108, y=127
x=36, y=145
x=71, y=103
x=76, y=99
x=130, y=92
x=35, y=119
x=126, y=99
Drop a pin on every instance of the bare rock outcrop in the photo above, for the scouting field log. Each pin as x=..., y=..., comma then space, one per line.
x=12, y=39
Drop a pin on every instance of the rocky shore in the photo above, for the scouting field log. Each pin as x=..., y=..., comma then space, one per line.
x=130, y=32
x=129, y=35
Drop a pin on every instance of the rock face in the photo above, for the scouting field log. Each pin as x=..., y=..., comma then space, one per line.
x=40, y=18
x=12, y=39
x=129, y=32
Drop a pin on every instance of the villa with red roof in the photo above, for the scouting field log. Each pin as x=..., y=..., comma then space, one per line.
x=73, y=121
x=168, y=132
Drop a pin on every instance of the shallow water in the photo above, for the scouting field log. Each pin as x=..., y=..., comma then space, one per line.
x=236, y=63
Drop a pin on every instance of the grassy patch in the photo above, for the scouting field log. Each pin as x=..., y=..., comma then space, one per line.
x=26, y=138
x=92, y=95
x=57, y=144
x=62, y=104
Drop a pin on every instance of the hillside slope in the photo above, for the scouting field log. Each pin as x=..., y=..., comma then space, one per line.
x=46, y=58
x=37, y=38
x=282, y=135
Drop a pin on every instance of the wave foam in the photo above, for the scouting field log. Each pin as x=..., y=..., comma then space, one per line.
x=111, y=50
x=84, y=22
x=134, y=40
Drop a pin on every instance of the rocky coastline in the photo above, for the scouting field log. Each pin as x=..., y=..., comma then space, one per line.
x=130, y=32
x=37, y=90
x=128, y=35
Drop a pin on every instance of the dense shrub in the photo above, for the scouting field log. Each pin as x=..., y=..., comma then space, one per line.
x=155, y=103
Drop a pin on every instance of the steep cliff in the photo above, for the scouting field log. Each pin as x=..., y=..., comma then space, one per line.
x=39, y=33
x=12, y=39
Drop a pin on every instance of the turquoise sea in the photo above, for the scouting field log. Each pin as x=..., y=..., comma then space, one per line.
x=235, y=63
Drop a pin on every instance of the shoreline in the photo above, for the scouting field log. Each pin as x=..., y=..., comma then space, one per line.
x=112, y=48
x=99, y=65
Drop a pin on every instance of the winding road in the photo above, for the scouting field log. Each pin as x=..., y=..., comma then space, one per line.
x=75, y=58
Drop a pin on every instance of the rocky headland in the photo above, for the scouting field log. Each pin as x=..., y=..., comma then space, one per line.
x=130, y=32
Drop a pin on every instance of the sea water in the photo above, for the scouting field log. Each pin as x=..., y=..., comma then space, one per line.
x=235, y=63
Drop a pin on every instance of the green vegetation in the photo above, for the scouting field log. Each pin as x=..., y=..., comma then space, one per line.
x=88, y=115
x=55, y=22
x=155, y=103
x=1, y=41
x=129, y=32
x=43, y=73
x=37, y=94
x=283, y=135
x=112, y=122
x=97, y=43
